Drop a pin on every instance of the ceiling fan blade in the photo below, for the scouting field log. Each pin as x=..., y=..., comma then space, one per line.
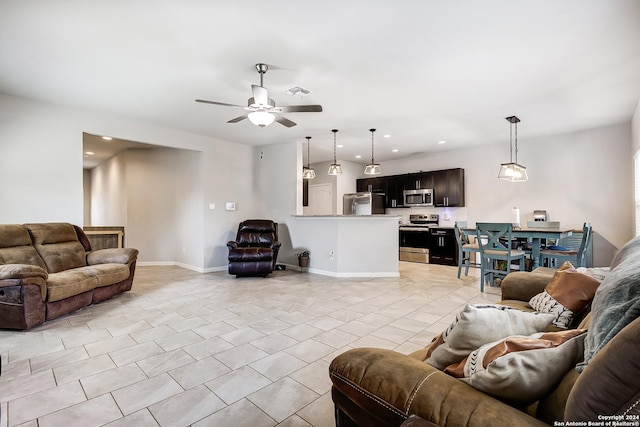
x=238, y=119
x=301, y=109
x=284, y=121
x=260, y=95
x=218, y=103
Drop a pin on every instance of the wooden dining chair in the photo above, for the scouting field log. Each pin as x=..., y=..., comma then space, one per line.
x=465, y=248
x=577, y=257
x=494, y=241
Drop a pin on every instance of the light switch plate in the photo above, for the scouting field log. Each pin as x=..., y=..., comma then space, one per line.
x=230, y=206
x=212, y=206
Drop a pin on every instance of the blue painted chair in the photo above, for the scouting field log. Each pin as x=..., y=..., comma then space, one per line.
x=496, y=254
x=465, y=248
x=577, y=257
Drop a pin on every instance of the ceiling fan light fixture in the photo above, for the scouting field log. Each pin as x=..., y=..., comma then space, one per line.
x=261, y=118
x=513, y=171
x=335, y=168
x=372, y=168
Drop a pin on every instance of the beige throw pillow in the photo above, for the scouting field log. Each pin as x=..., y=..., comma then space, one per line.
x=568, y=293
x=522, y=369
x=479, y=324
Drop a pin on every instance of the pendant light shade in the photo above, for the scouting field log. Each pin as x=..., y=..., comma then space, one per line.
x=307, y=172
x=372, y=168
x=513, y=171
x=335, y=168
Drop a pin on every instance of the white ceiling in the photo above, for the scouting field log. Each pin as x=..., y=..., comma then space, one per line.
x=421, y=71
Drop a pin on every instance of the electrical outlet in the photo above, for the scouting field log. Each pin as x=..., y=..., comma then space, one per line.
x=331, y=255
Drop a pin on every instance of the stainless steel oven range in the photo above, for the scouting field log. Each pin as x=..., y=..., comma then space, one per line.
x=414, y=237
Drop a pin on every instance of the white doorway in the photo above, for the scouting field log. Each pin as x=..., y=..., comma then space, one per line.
x=320, y=199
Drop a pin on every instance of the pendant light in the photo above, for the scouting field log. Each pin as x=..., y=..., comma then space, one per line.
x=335, y=168
x=372, y=168
x=513, y=171
x=307, y=172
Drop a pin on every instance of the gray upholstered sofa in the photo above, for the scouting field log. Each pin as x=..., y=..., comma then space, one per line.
x=48, y=269
x=382, y=387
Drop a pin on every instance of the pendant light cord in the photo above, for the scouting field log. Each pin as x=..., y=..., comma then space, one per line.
x=308, y=158
x=372, y=131
x=335, y=131
x=516, y=125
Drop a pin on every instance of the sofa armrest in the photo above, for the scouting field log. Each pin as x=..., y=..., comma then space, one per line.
x=23, y=275
x=389, y=386
x=117, y=256
x=522, y=285
x=21, y=272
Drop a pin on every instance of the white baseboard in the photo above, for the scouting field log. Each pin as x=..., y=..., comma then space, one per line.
x=289, y=267
x=182, y=265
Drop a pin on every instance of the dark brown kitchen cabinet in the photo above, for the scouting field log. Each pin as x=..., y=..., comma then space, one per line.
x=396, y=184
x=373, y=185
x=419, y=180
x=443, y=248
x=448, y=188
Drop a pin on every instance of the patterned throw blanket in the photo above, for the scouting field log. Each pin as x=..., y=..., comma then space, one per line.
x=617, y=301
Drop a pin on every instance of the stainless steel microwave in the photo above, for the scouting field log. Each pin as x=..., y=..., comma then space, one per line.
x=415, y=198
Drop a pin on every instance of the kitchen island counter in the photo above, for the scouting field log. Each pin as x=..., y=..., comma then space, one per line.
x=348, y=245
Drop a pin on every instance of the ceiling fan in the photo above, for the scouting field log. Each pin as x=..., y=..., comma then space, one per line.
x=262, y=110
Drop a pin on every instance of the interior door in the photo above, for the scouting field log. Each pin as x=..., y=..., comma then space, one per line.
x=320, y=199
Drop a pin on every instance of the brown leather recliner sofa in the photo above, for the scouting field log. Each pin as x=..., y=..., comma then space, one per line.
x=48, y=269
x=377, y=387
x=255, y=250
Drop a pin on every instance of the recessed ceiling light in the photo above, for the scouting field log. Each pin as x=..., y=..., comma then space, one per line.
x=386, y=136
x=339, y=146
x=358, y=156
x=89, y=152
x=442, y=142
x=395, y=150
x=107, y=138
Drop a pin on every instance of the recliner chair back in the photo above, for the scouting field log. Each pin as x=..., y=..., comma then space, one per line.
x=257, y=232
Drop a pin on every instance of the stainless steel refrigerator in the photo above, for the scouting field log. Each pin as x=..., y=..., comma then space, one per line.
x=363, y=203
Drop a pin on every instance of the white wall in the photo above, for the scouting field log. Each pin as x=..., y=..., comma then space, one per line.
x=584, y=176
x=577, y=177
x=635, y=128
x=109, y=193
x=40, y=163
x=41, y=153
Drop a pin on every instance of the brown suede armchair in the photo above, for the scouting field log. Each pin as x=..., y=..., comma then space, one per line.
x=255, y=250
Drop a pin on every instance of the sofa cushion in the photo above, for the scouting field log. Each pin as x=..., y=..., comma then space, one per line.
x=479, y=324
x=69, y=283
x=58, y=245
x=107, y=274
x=617, y=301
x=16, y=246
x=568, y=293
x=521, y=369
x=609, y=384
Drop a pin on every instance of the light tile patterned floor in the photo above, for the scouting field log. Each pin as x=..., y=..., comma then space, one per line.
x=184, y=348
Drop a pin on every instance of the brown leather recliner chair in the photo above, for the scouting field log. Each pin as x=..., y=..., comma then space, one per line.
x=255, y=250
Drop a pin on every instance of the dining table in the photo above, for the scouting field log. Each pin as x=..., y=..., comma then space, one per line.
x=536, y=234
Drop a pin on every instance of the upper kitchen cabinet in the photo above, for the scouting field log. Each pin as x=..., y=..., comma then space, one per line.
x=448, y=188
x=419, y=180
x=373, y=185
x=396, y=184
